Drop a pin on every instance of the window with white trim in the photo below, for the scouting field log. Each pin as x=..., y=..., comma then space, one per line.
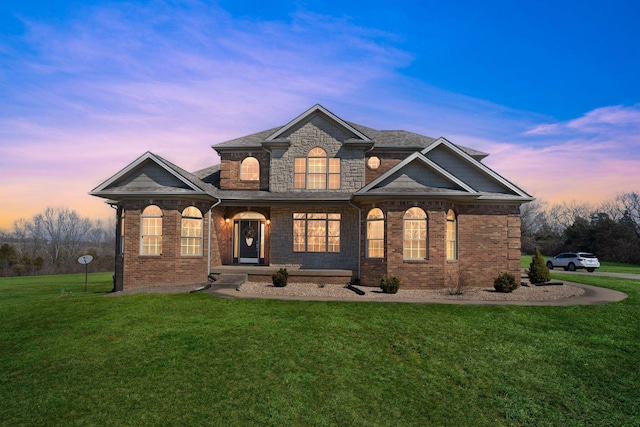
x=250, y=169
x=415, y=234
x=452, y=235
x=316, y=232
x=375, y=233
x=191, y=232
x=316, y=171
x=151, y=231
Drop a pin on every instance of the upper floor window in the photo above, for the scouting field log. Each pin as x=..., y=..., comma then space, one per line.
x=191, y=232
x=250, y=169
x=316, y=232
x=375, y=233
x=373, y=162
x=452, y=235
x=415, y=234
x=151, y=231
x=316, y=171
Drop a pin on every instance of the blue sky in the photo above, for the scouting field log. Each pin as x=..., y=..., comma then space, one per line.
x=550, y=89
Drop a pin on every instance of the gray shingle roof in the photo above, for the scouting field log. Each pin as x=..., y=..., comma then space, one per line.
x=384, y=140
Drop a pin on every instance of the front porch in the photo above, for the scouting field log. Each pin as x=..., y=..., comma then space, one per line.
x=262, y=273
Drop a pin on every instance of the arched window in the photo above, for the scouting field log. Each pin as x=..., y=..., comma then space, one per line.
x=415, y=234
x=316, y=171
x=250, y=169
x=151, y=231
x=191, y=232
x=375, y=233
x=452, y=235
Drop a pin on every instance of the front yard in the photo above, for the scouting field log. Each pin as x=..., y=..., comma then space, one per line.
x=74, y=358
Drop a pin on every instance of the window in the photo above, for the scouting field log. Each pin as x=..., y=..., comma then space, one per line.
x=452, y=235
x=375, y=234
x=151, y=231
x=191, y=232
x=373, y=162
x=316, y=171
x=316, y=232
x=250, y=169
x=415, y=234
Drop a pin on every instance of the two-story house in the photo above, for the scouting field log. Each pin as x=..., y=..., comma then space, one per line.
x=315, y=195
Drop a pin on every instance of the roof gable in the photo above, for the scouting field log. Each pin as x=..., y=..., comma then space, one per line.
x=150, y=174
x=416, y=174
x=465, y=167
x=318, y=110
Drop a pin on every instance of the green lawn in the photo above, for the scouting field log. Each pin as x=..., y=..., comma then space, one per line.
x=73, y=358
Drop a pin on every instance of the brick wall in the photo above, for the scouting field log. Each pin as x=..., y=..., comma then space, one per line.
x=387, y=161
x=230, y=171
x=488, y=243
x=169, y=267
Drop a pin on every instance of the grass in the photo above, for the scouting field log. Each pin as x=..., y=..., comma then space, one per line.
x=605, y=266
x=73, y=358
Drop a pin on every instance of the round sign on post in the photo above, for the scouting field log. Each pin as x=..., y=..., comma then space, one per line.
x=85, y=260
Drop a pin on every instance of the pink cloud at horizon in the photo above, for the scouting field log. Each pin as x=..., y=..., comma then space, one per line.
x=91, y=95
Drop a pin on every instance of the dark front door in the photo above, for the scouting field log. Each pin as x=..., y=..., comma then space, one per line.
x=249, y=241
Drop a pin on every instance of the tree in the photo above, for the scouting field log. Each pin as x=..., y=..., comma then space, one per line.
x=538, y=271
x=8, y=258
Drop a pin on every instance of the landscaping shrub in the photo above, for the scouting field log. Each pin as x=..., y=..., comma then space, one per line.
x=390, y=285
x=505, y=282
x=538, y=271
x=280, y=278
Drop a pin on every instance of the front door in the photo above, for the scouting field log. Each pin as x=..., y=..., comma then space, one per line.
x=249, y=241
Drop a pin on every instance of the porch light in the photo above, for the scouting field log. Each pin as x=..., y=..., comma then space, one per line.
x=226, y=219
x=268, y=222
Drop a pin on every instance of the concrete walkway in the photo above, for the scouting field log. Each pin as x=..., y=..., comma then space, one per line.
x=227, y=287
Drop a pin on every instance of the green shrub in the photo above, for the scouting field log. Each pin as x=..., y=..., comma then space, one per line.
x=505, y=282
x=280, y=278
x=538, y=271
x=390, y=285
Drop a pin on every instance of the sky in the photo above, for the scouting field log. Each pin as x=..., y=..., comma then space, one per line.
x=550, y=89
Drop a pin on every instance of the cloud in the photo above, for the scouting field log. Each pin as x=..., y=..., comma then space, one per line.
x=90, y=93
x=614, y=120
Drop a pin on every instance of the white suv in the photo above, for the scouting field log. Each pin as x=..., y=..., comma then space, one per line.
x=573, y=260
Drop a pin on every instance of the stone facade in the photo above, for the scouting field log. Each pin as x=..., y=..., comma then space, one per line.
x=317, y=133
x=281, y=247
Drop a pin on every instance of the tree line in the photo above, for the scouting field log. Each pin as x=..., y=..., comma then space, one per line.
x=52, y=241
x=610, y=230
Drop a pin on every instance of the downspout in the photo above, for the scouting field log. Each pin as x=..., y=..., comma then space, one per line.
x=209, y=237
x=359, y=234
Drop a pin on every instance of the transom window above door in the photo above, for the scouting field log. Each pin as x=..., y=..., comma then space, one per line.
x=316, y=171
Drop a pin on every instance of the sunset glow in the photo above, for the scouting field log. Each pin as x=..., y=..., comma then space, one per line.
x=86, y=90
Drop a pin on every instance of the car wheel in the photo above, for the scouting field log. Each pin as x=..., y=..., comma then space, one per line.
x=591, y=270
x=572, y=267
x=549, y=265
